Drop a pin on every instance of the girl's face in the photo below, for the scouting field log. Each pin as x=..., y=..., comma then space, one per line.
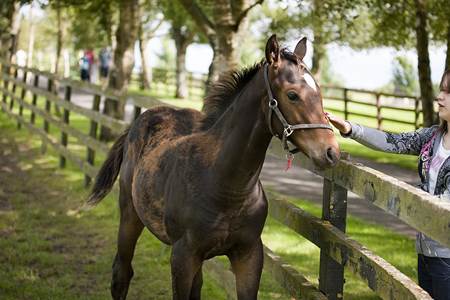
x=443, y=100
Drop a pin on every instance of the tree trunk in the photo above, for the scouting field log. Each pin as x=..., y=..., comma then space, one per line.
x=123, y=61
x=59, y=37
x=225, y=58
x=31, y=38
x=318, y=43
x=318, y=55
x=426, y=87
x=144, y=80
x=66, y=57
x=222, y=34
x=182, y=40
x=9, y=33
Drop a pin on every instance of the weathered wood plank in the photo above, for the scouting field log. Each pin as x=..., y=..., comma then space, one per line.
x=379, y=275
x=137, y=99
x=5, y=71
x=34, y=99
x=371, y=92
x=90, y=155
x=290, y=279
x=417, y=208
x=14, y=86
x=334, y=210
x=66, y=120
x=84, y=167
x=84, y=86
x=80, y=136
x=144, y=101
x=114, y=124
x=22, y=96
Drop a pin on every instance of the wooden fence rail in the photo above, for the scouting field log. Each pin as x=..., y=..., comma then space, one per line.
x=379, y=101
x=336, y=99
x=338, y=251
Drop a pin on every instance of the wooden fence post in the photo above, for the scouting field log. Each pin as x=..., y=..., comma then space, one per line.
x=34, y=99
x=378, y=105
x=345, y=104
x=22, y=96
x=137, y=112
x=5, y=72
x=47, y=109
x=190, y=84
x=331, y=274
x=92, y=133
x=416, y=113
x=66, y=115
x=13, y=91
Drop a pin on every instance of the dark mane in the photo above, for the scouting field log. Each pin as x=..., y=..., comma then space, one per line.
x=222, y=93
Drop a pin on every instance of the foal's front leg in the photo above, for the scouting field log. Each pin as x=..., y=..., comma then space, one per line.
x=247, y=266
x=185, y=266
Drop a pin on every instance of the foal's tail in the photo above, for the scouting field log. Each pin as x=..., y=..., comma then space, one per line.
x=109, y=171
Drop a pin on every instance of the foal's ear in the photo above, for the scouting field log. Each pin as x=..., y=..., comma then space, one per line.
x=272, y=50
x=300, y=49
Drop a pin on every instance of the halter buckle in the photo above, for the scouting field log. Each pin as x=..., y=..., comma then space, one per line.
x=288, y=130
x=273, y=103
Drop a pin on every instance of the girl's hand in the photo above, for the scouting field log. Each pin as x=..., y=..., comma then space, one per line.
x=342, y=125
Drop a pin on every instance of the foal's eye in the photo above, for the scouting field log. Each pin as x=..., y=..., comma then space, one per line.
x=292, y=96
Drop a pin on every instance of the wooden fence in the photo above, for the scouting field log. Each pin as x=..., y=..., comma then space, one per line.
x=371, y=108
x=338, y=251
x=374, y=105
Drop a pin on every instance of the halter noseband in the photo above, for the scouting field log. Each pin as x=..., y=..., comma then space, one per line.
x=287, y=128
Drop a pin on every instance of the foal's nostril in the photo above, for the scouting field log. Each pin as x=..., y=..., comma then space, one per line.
x=331, y=155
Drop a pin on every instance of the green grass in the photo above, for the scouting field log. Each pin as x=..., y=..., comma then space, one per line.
x=52, y=251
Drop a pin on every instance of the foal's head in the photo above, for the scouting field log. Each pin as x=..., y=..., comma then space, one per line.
x=299, y=100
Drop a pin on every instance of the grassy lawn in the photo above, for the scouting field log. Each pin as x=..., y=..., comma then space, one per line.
x=50, y=250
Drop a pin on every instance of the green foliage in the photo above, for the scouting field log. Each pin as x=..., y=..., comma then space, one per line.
x=166, y=58
x=393, y=23
x=439, y=19
x=45, y=32
x=404, y=76
x=98, y=31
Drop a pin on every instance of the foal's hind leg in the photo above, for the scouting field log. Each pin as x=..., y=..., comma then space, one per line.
x=130, y=229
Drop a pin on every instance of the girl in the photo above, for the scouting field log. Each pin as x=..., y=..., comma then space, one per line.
x=432, y=145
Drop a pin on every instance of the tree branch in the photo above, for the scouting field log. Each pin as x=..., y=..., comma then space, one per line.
x=199, y=17
x=244, y=14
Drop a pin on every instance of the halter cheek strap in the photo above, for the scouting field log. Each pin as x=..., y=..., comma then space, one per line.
x=288, y=129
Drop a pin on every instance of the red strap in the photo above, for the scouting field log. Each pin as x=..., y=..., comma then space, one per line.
x=290, y=158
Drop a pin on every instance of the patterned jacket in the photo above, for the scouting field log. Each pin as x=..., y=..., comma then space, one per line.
x=412, y=143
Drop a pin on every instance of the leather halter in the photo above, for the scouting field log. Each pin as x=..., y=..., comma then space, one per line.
x=288, y=129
